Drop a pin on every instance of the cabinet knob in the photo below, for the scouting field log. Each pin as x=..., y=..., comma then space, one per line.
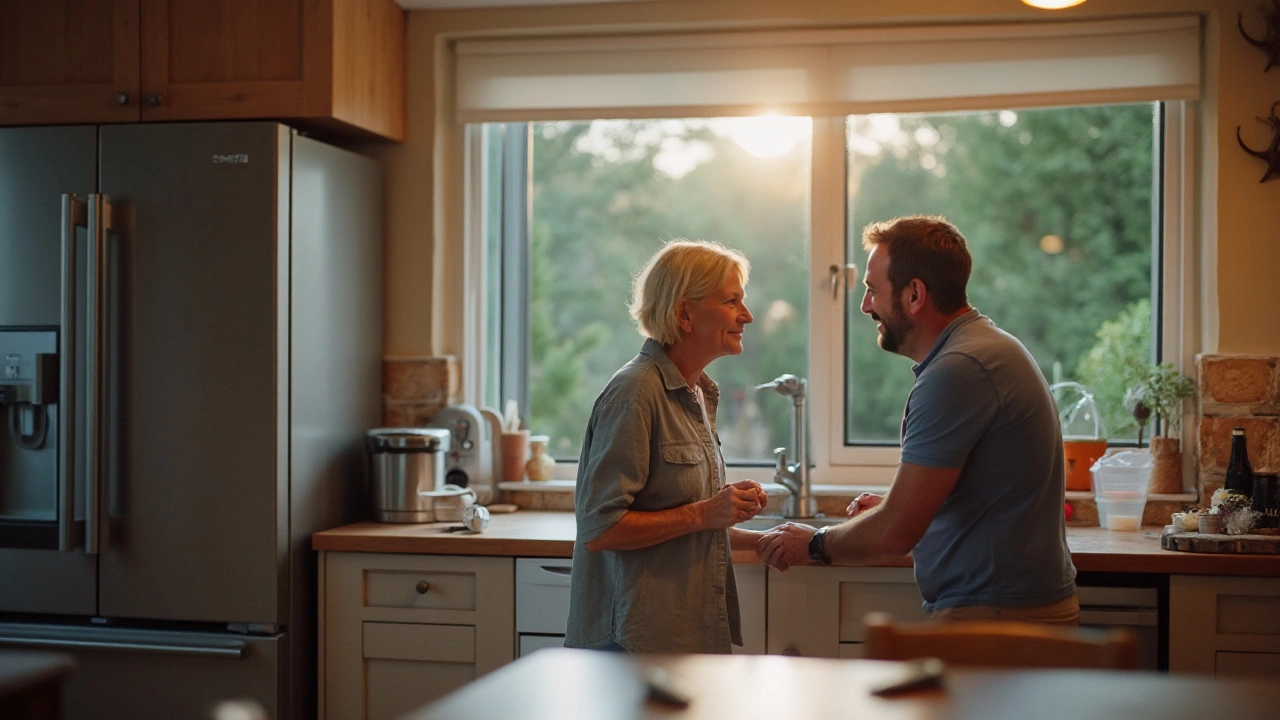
x=122, y=99
x=154, y=99
x=423, y=587
x=791, y=651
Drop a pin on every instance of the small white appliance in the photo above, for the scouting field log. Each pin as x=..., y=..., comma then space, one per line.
x=469, y=463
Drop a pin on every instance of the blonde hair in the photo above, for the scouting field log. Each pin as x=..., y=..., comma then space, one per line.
x=680, y=270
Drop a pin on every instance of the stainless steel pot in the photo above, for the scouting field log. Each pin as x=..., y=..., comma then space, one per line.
x=404, y=462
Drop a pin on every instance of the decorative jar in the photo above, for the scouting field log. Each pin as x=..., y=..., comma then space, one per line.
x=541, y=465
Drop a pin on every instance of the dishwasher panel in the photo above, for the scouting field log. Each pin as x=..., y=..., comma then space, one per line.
x=542, y=602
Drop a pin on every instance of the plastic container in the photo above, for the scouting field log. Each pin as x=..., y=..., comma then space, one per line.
x=1084, y=437
x=1120, y=488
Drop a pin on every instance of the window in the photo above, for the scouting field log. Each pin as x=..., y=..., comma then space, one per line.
x=601, y=197
x=1073, y=200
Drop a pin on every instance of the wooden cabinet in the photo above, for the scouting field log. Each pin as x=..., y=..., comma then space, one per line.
x=334, y=66
x=1227, y=626
x=398, y=631
x=818, y=611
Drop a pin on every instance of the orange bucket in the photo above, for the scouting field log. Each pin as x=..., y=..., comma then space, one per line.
x=1079, y=456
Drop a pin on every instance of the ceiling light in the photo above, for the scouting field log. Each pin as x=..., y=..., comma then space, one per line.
x=1052, y=4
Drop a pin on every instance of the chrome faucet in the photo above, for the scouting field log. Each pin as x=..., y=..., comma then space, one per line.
x=794, y=476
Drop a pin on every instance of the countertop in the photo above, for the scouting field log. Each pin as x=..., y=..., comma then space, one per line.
x=528, y=533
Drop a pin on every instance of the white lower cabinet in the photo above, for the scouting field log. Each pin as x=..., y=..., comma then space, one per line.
x=1224, y=626
x=752, y=593
x=399, y=631
x=818, y=611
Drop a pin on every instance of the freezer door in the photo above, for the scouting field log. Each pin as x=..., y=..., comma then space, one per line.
x=124, y=674
x=37, y=166
x=198, y=493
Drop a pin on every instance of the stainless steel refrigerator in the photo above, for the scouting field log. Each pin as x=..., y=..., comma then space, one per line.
x=190, y=354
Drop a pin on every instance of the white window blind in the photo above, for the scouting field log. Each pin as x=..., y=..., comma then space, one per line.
x=828, y=72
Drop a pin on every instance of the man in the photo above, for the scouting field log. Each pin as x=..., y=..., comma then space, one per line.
x=977, y=497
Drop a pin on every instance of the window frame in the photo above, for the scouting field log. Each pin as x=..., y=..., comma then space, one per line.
x=1183, y=265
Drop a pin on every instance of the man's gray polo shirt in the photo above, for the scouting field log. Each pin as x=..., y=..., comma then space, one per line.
x=981, y=403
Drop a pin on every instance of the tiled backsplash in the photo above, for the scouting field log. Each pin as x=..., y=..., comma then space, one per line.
x=1236, y=391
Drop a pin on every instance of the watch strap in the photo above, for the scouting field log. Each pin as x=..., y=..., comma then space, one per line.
x=818, y=547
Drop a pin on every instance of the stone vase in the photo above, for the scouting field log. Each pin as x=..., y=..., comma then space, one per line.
x=1166, y=475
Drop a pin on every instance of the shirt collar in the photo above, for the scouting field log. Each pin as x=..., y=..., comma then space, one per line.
x=672, y=379
x=950, y=330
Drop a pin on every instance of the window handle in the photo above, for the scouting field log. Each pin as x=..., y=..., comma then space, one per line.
x=850, y=273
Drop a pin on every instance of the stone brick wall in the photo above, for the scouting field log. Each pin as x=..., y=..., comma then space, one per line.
x=415, y=389
x=1236, y=391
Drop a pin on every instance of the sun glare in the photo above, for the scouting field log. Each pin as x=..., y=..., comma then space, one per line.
x=767, y=136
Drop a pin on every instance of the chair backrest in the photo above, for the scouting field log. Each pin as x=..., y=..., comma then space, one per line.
x=1000, y=643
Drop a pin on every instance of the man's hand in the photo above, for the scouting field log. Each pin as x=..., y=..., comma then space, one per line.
x=786, y=545
x=865, y=501
x=732, y=505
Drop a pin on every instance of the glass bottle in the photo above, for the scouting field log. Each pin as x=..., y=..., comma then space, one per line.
x=1239, y=472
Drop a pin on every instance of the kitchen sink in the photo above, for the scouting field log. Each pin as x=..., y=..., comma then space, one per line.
x=765, y=522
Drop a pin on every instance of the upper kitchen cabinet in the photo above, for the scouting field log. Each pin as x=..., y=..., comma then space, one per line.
x=333, y=66
x=63, y=61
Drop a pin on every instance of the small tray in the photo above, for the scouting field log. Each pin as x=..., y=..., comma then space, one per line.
x=1251, y=544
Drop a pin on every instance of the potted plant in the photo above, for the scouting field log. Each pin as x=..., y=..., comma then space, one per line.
x=1160, y=392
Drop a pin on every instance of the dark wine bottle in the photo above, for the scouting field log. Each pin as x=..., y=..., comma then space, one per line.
x=1239, y=471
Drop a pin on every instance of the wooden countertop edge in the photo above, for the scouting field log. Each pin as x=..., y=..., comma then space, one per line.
x=549, y=534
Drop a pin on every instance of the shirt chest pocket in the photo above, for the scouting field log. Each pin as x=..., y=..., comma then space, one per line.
x=686, y=463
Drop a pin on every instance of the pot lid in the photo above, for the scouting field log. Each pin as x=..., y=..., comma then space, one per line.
x=407, y=439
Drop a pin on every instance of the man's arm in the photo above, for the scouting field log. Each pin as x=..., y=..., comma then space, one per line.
x=885, y=532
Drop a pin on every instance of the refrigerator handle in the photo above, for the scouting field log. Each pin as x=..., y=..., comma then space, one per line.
x=98, y=332
x=73, y=216
x=236, y=650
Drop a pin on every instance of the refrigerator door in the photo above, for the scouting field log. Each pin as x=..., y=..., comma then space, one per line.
x=198, y=496
x=124, y=674
x=37, y=166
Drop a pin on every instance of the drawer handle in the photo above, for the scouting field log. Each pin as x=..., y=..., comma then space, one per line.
x=423, y=587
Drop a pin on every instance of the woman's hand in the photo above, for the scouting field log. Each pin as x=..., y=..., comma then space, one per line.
x=865, y=501
x=732, y=505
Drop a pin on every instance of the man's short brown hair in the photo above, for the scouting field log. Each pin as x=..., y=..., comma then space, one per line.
x=929, y=248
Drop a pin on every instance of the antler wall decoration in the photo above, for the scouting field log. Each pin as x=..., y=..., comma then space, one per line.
x=1270, y=42
x=1272, y=154
x=1270, y=45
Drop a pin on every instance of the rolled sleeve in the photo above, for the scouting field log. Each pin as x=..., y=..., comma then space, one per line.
x=614, y=466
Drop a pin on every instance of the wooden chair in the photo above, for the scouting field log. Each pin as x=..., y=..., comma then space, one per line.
x=1000, y=643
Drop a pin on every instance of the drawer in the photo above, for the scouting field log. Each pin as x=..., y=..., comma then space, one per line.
x=419, y=642
x=420, y=589
x=899, y=599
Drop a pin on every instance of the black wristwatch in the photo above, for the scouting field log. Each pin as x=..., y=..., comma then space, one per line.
x=818, y=547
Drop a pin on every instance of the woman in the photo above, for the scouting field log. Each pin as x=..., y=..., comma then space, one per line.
x=652, y=570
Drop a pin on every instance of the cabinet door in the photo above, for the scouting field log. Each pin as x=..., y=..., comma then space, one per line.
x=407, y=666
x=818, y=611
x=229, y=59
x=1224, y=625
x=398, y=631
x=68, y=61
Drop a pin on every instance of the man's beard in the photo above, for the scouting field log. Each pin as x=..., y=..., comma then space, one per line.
x=892, y=333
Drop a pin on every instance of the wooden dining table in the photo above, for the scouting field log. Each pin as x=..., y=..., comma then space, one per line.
x=565, y=684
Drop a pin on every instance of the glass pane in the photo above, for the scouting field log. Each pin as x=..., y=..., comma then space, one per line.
x=605, y=196
x=1057, y=206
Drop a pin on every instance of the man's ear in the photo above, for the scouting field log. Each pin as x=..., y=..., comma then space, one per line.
x=917, y=295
